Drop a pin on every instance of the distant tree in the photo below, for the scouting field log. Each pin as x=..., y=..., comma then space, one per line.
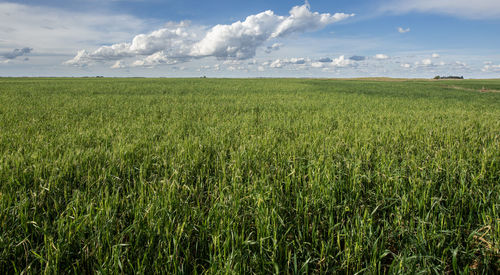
x=437, y=77
x=449, y=77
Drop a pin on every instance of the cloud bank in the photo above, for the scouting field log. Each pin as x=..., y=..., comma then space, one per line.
x=181, y=42
x=306, y=63
x=491, y=68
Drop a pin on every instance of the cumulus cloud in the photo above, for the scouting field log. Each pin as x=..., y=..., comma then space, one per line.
x=298, y=61
x=81, y=59
x=406, y=65
x=164, y=46
x=401, y=30
x=318, y=65
x=341, y=61
x=357, y=58
x=280, y=63
x=435, y=55
x=338, y=62
x=155, y=59
x=17, y=52
x=427, y=62
x=478, y=9
x=240, y=40
x=381, y=56
x=118, y=65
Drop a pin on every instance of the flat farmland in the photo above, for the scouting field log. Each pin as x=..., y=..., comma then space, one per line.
x=249, y=176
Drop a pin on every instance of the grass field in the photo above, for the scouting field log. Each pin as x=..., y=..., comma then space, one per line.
x=249, y=176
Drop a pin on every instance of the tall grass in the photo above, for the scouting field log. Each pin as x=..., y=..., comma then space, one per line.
x=248, y=176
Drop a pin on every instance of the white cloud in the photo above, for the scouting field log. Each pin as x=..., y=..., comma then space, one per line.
x=240, y=40
x=318, y=65
x=381, y=56
x=118, y=65
x=301, y=19
x=299, y=60
x=435, y=55
x=168, y=45
x=478, y=9
x=280, y=63
x=406, y=66
x=427, y=62
x=81, y=59
x=155, y=59
x=401, y=30
x=491, y=68
x=341, y=61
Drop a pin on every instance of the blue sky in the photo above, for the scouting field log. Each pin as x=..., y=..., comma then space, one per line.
x=189, y=38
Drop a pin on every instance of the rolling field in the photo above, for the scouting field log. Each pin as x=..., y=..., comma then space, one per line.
x=249, y=176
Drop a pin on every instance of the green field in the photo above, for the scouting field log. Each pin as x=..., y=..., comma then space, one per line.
x=249, y=176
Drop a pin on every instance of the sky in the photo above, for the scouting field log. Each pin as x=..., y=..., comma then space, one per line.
x=222, y=38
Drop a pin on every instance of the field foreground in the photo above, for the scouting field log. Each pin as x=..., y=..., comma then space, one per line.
x=249, y=176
